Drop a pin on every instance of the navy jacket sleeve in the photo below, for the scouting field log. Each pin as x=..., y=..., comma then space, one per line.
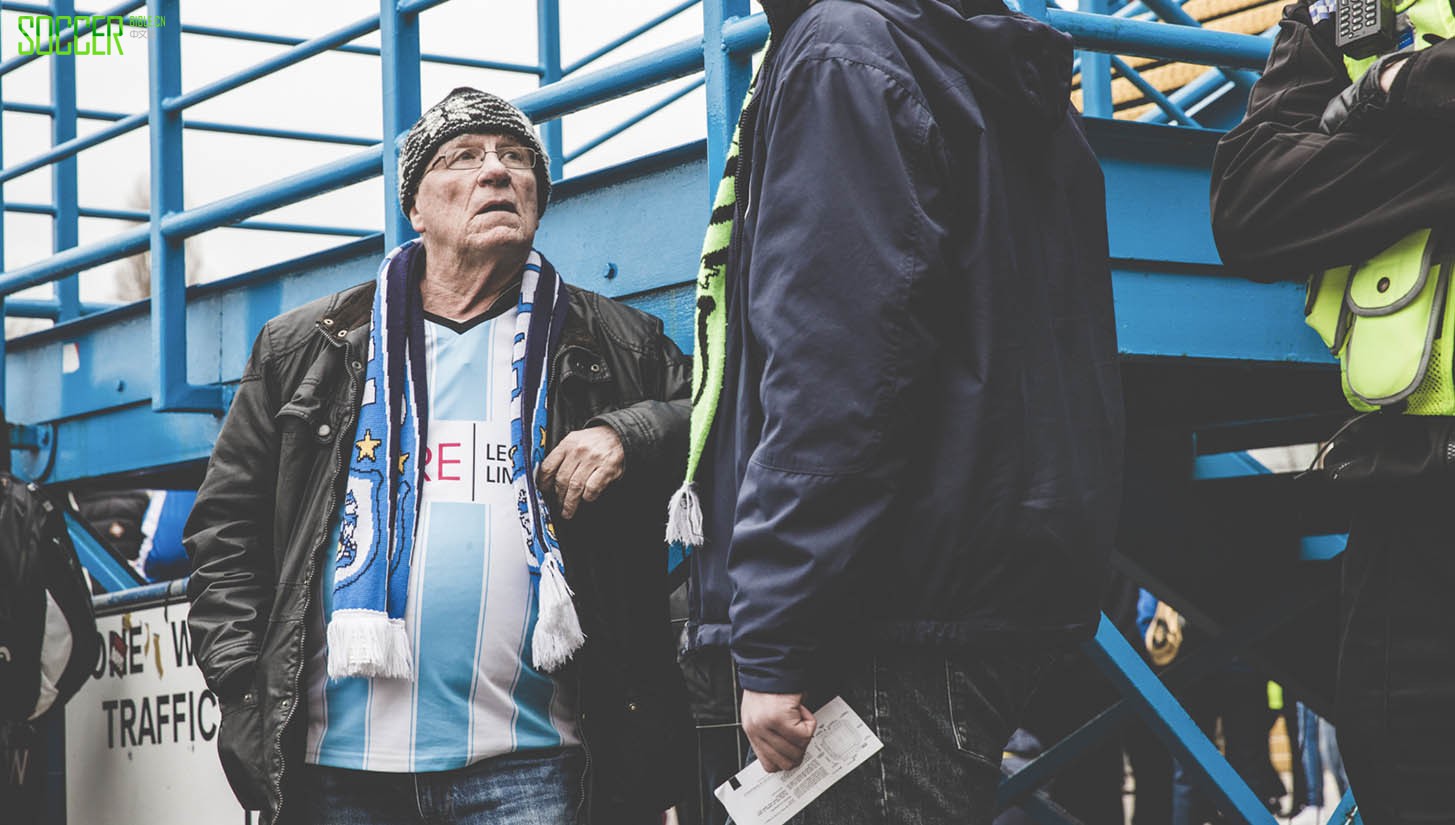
x=842, y=248
x=1288, y=199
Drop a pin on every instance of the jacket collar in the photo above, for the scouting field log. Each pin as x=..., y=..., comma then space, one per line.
x=351, y=310
x=782, y=13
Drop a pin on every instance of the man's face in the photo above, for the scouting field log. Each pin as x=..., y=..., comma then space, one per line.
x=491, y=209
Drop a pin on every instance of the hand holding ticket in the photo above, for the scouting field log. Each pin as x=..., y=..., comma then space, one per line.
x=841, y=743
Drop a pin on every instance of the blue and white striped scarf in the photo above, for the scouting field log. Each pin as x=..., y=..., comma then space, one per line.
x=366, y=631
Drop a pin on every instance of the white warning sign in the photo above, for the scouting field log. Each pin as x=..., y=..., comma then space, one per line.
x=141, y=736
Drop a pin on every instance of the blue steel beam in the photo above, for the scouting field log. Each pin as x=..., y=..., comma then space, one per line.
x=633, y=120
x=1136, y=681
x=65, y=148
x=173, y=391
x=1099, y=33
x=1152, y=93
x=326, y=178
x=728, y=71
x=105, y=568
x=1219, y=648
x=136, y=598
x=416, y=7
x=227, y=211
x=630, y=36
x=1172, y=12
x=399, y=36
x=1096, y=99
x=579, y=91
x=1347, y=812
x=427, y=57
x=1146, y=39
x=65, y=191
x=133, y=216
x=120, y=245
x=1207, y=86
x=548, y=52
x=203, y=125
x=177, y=102
x=47, y=308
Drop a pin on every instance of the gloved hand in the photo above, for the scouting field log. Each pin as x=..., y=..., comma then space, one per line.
x=1363, y=98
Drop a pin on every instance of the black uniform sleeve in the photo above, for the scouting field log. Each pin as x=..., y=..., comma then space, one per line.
x=1288, y=199
x=1426, y=87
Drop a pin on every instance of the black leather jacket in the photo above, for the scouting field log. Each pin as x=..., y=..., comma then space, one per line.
x=266, y=507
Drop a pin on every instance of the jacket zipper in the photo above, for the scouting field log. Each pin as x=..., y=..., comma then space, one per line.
x=553, y=375
x=308, y=580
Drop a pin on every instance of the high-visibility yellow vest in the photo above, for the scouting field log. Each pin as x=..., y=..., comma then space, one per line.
x=1390, y=319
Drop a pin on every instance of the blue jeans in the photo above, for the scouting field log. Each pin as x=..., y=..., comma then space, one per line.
x=944, y=721
x=529, y=788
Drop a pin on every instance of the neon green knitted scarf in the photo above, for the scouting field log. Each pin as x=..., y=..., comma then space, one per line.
x=709, y=356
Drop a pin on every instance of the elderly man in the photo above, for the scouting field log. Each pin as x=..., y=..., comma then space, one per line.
x=415, y=477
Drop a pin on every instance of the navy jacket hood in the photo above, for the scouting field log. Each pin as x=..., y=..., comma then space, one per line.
x=1018, y=66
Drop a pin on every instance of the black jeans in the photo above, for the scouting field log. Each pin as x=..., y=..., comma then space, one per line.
x=1395, y=707
x=944, y=720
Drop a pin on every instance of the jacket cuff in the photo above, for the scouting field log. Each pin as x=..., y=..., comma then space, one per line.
x=778, y=678
x=635, y=433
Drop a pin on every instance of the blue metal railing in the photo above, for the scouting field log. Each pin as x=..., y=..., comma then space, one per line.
x=722, y=57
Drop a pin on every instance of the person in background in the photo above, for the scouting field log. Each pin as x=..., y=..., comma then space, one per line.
x=1344, y=158
x=907, y=421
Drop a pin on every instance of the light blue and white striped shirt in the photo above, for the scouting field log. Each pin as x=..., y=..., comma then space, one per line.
x=472, y=608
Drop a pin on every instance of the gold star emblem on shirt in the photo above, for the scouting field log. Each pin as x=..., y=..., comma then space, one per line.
x=367, y=445
x=403, y=457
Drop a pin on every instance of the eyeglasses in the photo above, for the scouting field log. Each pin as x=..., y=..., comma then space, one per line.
x=473, y=157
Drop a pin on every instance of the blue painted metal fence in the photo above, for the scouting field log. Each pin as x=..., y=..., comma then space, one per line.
x=1157, y=189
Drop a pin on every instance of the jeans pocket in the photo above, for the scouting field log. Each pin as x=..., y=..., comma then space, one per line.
x=986, y=696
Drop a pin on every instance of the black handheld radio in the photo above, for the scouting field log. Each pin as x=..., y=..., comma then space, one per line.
x=1365, y=27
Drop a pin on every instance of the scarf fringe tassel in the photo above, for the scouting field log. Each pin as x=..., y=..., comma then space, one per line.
x=684, y=517
x=367, y=643
x=558, y=630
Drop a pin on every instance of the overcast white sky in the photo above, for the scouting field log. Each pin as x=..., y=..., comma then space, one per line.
x=333, y=92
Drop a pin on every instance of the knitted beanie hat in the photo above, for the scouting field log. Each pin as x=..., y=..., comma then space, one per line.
x=466, y=111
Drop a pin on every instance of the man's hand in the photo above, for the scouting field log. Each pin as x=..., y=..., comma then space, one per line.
x=779, y=728
x=582, y=466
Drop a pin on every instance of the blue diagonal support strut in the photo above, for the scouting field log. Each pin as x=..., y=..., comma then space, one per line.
x=1116, y=659
x=1347, y=813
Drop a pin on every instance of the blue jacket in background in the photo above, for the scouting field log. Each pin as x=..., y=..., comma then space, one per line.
x=920, y=433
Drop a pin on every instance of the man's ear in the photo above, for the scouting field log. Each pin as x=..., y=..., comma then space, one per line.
x=415, y=220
